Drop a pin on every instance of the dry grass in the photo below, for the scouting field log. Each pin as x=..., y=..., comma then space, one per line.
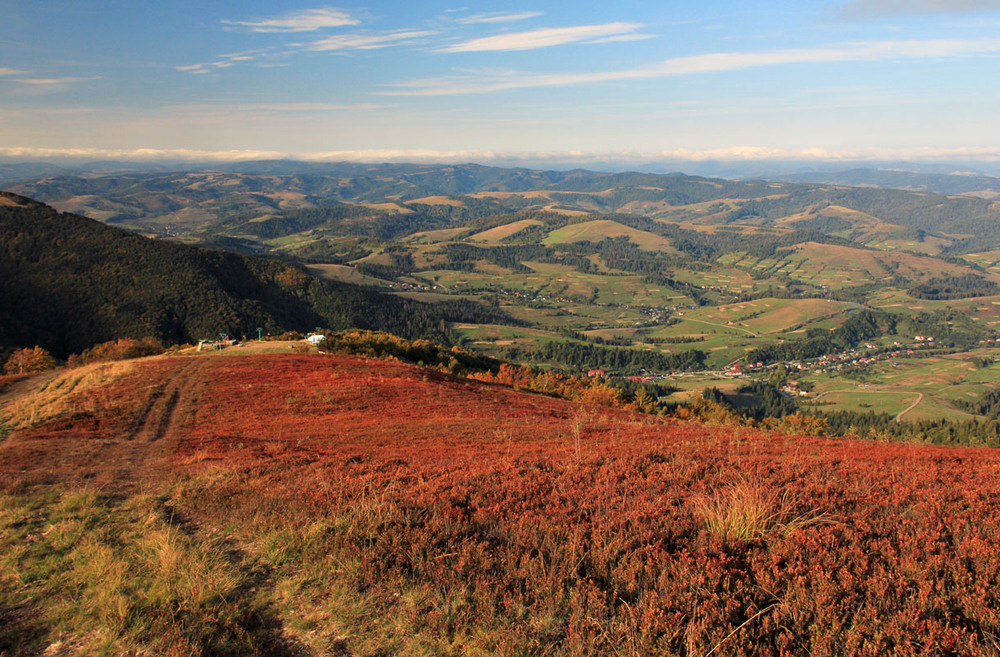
x=748, y=511
x=60, y=396
x=117, y=578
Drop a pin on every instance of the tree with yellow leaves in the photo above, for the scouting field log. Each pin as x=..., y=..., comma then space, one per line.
x=24, y=361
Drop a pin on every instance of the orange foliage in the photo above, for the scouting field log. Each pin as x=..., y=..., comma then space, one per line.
x=26, y=361
x=121, y=349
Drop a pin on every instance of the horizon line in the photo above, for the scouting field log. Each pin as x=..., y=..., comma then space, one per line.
x=744, y=154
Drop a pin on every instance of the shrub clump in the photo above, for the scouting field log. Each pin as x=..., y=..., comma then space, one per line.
x=121, y=349
x=29, y=360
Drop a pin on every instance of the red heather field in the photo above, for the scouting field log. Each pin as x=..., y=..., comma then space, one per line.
x=364, y=507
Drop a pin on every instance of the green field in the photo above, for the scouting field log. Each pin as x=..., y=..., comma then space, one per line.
x=893, y=387
x=595, y=231
x=981, y=309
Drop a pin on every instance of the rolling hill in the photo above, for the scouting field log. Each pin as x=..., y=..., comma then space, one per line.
x=317, y=504
x=68, y=282
x=564, y=269
x=195, y=201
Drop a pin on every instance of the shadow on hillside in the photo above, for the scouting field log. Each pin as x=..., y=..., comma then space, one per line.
x=257, y=617
x=20, y=631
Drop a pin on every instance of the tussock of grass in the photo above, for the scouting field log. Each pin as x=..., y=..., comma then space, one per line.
x=748, y=511
x=60, y=396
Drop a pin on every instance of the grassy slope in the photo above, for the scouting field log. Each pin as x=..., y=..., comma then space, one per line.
x=600, y=229
x=282, y=504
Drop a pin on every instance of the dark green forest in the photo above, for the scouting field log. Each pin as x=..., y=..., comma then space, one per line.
x=67, y=283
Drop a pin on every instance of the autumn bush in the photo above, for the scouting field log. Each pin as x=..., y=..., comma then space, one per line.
x=29, y=360
x=799, y=423
x=121, y=349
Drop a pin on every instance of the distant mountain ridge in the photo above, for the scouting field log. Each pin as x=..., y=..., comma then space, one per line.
x=213, y=202
x=949, y=184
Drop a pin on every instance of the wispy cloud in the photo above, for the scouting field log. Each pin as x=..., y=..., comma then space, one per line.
x=204, y=69
x=623, y=37
x=884, y=8
x=366, y=41
x=544, y=38
x=497, y=17
x=11, y=71
x=308, y=20
x=333, y=43
x=491, y=81
x=231, y=59
x=52, y=81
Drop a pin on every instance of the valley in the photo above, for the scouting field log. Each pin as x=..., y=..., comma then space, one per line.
x=642, y=276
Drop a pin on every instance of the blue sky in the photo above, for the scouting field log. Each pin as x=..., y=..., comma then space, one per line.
x=827, y=79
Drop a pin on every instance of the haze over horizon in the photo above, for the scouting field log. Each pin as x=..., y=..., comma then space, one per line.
x=434, y=81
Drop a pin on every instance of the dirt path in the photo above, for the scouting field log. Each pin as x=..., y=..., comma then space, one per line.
x=130, y=456
x=27, y=386
x=899, y=416
x=158, y=428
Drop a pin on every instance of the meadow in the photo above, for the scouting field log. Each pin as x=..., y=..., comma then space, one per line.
x=292, y=504
x=891, y=386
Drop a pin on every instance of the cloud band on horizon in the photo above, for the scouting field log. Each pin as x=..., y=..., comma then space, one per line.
x=736, y=153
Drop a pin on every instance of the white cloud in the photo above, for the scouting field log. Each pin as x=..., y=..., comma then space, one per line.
x=204, y=69
x=10, y=71
x=543, y=38
x=877, y=8
x=244, y=55
x=360, y=41
x=624, y=37
x=485, y=82
x=497, y=17
x=230, y=59
x=308, y=20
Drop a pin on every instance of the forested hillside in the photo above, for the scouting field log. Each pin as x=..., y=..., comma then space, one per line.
x=68, y=282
